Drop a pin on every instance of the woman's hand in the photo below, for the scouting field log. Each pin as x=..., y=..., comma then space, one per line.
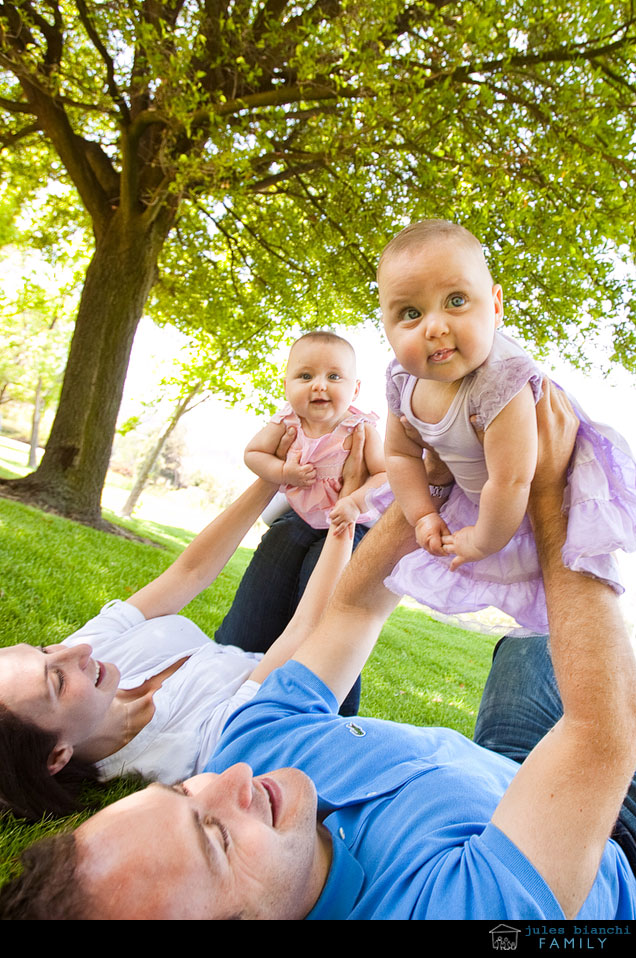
x=354, y=471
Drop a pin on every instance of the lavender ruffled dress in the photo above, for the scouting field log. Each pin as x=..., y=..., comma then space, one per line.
x=600, y=498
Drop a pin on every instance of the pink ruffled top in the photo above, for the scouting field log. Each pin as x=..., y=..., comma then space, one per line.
x=327, y=454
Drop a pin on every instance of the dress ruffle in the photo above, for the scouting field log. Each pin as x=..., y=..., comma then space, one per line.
x=499, y=382
x=510, y=579
x=600, y=503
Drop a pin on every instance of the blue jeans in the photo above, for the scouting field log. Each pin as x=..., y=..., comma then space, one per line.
x=521, y=702
x=272, y=585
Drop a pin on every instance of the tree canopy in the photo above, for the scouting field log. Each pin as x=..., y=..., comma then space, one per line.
x=254, y=156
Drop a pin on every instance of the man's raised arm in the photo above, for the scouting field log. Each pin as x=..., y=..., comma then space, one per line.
x=562, y=805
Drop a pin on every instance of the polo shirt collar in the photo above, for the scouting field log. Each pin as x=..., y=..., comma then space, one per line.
x=342, y=887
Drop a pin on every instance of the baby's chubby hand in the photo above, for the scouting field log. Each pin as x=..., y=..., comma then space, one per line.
x=344, y=514
x=296, y=475
x=463, y=546
x=429, y=532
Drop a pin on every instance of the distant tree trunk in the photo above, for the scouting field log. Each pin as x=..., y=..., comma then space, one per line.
x=147, y=464
x=121, y=273
x=35, y=425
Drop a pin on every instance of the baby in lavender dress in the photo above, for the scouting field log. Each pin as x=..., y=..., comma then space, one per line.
x=320, y=385
x=470, y=393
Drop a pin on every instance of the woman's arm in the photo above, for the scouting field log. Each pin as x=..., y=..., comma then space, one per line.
x=333, y=558
x=510, y=449
x=200, y=563
x=351, y=505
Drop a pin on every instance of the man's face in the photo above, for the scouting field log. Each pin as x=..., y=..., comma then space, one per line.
x=216, y=846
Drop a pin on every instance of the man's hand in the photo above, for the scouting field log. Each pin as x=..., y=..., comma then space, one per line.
x=557, y=428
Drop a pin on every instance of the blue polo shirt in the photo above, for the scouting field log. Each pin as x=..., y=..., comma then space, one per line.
x=408, y=810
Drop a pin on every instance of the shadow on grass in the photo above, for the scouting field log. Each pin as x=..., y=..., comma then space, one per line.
x=164, y=535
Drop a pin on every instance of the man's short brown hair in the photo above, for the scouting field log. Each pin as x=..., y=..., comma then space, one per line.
x=48, y=888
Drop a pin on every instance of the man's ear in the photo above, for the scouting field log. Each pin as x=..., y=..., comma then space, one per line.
x=497, y=298
x=59, y=757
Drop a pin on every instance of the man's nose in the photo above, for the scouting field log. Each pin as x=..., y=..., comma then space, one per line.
x=234, y=784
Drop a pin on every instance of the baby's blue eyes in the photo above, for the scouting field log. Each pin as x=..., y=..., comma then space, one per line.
x=456, y=300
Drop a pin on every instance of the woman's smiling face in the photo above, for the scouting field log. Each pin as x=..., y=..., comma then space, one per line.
x=60, y=689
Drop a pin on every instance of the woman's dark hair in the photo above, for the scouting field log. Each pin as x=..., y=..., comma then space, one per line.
x=27, y=788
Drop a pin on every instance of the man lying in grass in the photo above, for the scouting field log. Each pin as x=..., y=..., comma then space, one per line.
x=370, y=819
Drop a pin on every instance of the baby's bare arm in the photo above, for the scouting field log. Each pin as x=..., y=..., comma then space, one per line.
x=409, y=481
x=510, y=449
x=406, y=472
x=260, y=457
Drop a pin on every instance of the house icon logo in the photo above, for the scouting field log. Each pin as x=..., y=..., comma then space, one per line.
x=504, y=938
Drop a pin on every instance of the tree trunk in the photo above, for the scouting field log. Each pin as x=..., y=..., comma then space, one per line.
x=122, y=271
x=147, y=464
x=35, y=425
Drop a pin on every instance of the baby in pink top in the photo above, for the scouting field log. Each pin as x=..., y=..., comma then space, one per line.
x=320, y=385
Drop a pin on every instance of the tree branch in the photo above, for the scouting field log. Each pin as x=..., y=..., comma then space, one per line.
x=106, y=58
x=270, y=11
x=8, y=138
x=14, y=107
x=263, y=185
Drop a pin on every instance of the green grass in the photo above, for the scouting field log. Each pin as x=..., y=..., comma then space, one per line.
x=55, y=574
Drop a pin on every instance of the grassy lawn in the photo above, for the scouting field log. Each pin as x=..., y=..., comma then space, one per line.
x=55, y=574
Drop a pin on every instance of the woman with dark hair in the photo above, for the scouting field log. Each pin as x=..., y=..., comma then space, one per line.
x=157, y=701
